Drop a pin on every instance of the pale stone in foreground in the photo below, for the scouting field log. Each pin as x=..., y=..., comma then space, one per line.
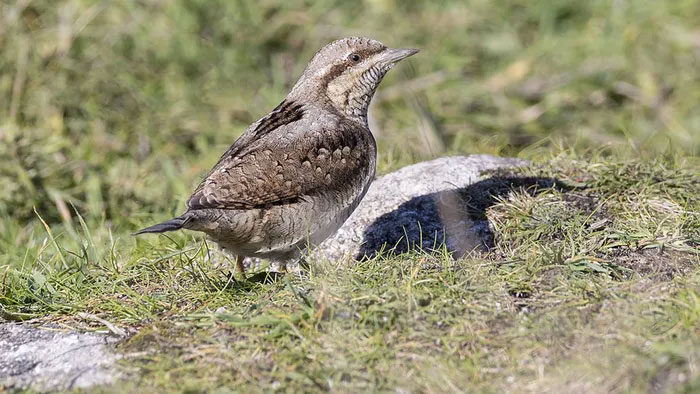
x=423, y=205
x=44, y=360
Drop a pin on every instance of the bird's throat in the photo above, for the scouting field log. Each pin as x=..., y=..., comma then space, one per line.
x=351, y=93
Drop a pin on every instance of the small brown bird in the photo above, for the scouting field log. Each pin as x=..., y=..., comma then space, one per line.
x=295, y=175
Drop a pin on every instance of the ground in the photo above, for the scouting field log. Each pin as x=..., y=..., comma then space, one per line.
x=113, y=112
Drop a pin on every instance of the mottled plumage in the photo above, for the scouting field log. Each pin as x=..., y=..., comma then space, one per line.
x=295, y=175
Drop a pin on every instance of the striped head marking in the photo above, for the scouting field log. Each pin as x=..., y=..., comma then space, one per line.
x=346, y=73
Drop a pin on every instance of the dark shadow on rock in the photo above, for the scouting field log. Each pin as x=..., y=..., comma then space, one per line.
x=455, y=219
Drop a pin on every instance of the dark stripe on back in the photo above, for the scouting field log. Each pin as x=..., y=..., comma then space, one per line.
x=285, y=113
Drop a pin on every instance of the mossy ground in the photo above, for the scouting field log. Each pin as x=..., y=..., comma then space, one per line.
x=110, y=113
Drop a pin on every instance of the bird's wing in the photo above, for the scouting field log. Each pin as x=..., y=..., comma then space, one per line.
x=282, y=158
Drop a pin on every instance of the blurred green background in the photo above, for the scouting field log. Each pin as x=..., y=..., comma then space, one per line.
x=120, y=107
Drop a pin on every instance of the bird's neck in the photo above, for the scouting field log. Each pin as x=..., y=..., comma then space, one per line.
x=350, y=97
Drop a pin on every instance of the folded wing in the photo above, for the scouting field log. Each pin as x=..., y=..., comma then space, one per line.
x=252, y=173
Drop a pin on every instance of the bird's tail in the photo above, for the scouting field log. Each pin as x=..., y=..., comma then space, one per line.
x=170, y=225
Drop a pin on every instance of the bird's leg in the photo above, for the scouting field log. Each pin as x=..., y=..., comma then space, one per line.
x=239, y=264
x=303, y=264
x=303, y=268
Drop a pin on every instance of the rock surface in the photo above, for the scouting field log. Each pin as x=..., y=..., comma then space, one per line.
x=424, y=206
x=44, y=359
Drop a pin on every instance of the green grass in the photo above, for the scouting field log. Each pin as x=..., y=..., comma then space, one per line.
x=110, y=114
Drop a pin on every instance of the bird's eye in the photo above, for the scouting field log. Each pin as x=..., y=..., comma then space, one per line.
x=354, y=57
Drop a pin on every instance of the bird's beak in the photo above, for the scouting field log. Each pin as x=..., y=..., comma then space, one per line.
x=393, y=55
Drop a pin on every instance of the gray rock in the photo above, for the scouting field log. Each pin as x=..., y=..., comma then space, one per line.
x=43, y=359
x=427, y=206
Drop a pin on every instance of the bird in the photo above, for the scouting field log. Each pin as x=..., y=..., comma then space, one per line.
x=296, y=174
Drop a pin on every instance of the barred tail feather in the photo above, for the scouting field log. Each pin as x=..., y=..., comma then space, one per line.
x=170, y=225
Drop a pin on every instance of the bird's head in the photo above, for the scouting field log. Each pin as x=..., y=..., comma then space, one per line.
x=346, y=72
